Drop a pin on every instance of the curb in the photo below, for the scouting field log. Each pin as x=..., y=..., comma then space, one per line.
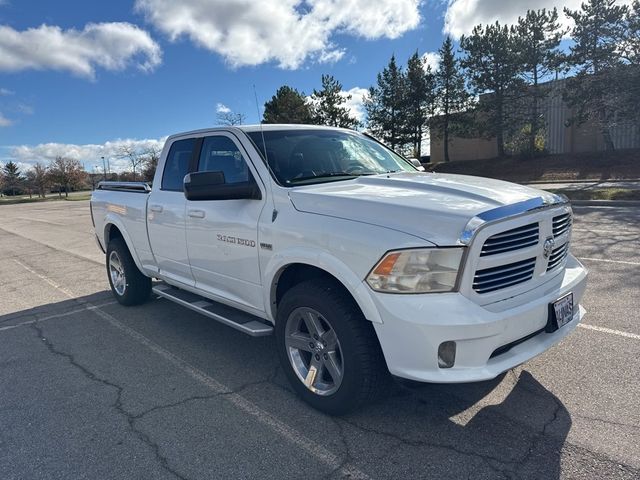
x=606, y=203
x=596, y=181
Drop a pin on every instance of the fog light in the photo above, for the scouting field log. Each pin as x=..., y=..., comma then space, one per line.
x=446, y=354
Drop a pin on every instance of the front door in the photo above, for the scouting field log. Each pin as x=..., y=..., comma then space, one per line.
x=222, y=235
x=166, y=215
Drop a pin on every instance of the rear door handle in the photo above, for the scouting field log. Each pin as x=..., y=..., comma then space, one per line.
x=196, y=213
x=155, y=208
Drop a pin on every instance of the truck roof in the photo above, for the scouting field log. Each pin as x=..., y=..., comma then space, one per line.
x=258, y=128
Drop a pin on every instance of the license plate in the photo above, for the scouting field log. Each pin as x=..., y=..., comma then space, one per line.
x=563, y=310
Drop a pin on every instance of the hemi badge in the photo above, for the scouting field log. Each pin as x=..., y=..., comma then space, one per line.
x=266, y=246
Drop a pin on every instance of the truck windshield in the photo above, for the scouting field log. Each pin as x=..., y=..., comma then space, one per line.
x=303, y=157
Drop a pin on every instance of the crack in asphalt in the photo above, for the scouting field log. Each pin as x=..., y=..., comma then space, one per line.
x=133, y=418
x=117, y=405
x=401, y=441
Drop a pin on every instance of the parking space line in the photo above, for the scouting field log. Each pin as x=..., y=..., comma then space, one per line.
x=57, y=315
x=296, y=438
x=610, y=330
x=608, y=261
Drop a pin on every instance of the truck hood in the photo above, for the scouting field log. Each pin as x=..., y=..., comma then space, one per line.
x=434, y=207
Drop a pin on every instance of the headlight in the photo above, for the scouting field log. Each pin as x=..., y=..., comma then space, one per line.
x=422, y=270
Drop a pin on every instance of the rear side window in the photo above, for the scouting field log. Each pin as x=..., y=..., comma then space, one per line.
x=220, y=154
x=177, y=165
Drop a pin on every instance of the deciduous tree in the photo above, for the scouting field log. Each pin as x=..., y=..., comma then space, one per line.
x=38, y=179
x=66, y=173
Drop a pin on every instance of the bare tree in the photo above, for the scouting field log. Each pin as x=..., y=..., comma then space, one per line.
x=151, y=157
x=38, y=179
x=231, y=118
x=66, y=173
x=134, y=154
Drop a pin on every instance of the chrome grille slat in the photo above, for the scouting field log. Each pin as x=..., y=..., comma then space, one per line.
x=514, y=239
x=561, y=224
x=557, y=256
x=495, y=278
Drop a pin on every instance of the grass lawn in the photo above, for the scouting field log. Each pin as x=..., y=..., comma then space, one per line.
x=600, y=166
x=73, y=196
x=601, y=194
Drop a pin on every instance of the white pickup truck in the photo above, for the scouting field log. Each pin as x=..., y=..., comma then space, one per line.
x=361, y=264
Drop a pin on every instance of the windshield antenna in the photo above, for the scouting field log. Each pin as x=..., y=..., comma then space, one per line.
x=274, y=215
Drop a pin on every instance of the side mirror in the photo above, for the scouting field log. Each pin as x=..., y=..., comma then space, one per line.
x=416, y=163
x=199, y=186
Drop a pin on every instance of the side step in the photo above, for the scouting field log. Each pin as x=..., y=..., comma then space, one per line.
x=245, y=322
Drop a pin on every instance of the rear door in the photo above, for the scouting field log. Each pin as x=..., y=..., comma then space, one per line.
x=222, y=235
x=166, y=214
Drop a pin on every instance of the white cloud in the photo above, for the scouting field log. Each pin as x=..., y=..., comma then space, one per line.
x=28, y=155
x=356, y=103
x=4, y=121
x=222, y=108
x=112, y=46
x=432, y=59
x=288, y=32
x=462, y=15
x=5, y=92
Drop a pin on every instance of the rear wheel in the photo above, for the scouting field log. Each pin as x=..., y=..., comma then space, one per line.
x=128, y=284
x=327, y=348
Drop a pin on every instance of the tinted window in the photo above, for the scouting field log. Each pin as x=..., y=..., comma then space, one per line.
x=220, y=154
x=177, y=165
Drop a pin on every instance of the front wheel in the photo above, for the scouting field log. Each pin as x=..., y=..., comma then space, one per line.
x=327, y=348
x=128, y=284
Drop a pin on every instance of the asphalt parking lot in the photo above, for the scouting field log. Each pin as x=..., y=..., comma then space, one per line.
x=90, y=389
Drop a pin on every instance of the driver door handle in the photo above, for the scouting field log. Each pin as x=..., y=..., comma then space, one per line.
x=155, y=208
x=196, y=213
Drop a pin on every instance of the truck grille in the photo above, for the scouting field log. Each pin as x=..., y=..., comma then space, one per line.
x=495, y=278
x=513, y=239
x=557, y=256
x=561, y=224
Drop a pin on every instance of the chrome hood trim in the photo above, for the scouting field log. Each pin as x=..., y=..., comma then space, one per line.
x=497, y=214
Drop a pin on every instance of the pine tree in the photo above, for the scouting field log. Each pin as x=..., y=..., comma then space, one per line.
x=328, y=105
x=12, y=177
x=538, y=36
x=385, y=106
x=288, y=105
x=598, y=32
x=491, y=65
x=451, y=95
x=419, y=99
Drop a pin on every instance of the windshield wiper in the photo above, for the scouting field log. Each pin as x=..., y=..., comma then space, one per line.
x=328, y=175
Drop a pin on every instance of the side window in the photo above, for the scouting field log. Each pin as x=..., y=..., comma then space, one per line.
x=177, y=165
x=220, y=154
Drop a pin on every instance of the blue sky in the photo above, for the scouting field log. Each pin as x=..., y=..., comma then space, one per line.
x=78, y=78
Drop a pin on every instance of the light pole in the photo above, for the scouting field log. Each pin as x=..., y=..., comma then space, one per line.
x=104, y=169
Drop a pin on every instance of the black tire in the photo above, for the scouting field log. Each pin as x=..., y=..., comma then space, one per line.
x=364, y=371
x=137, y=287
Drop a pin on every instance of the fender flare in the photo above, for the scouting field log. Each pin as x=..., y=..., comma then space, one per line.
x=113, y=220
x=323, y=261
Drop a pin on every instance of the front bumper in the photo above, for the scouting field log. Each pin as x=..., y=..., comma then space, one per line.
x=415, y=325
